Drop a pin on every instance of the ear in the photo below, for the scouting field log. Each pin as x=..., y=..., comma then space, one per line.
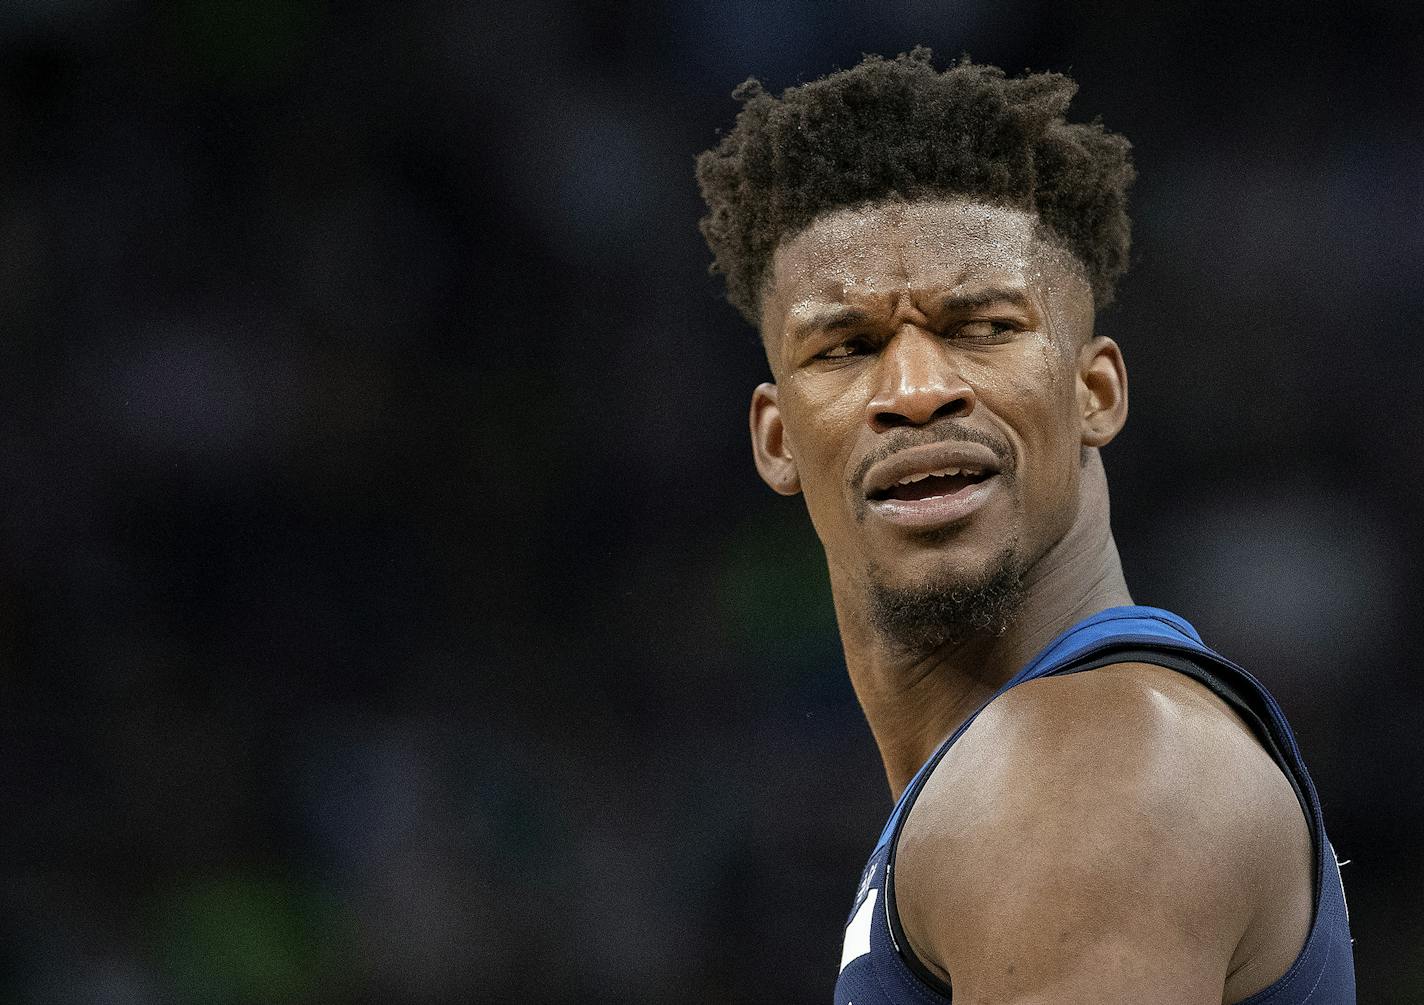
x=773, y=454
x=1102, y=391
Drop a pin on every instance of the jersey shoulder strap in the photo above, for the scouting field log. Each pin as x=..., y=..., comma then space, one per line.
x=1117, y=627
x=1150, y=635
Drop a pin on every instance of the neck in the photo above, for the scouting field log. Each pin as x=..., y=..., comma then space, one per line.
x=914, y=700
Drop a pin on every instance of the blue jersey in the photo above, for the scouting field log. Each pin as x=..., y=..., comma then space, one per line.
x=879, y=968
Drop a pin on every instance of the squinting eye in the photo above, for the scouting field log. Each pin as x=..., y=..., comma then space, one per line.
x=846, y=350
x=985, y=331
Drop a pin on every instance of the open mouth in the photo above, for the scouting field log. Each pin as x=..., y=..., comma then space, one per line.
x=944, y=482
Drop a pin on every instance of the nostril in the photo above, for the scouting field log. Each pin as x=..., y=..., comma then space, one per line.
x=917, y=404
x=890, y=420
x=958, y=408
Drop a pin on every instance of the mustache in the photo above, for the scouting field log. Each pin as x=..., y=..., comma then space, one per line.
x=946, y=432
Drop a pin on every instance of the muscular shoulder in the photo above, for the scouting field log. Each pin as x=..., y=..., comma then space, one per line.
x=1092, y=824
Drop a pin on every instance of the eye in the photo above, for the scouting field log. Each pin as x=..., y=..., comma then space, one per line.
x=986, y=331
x=848, y=349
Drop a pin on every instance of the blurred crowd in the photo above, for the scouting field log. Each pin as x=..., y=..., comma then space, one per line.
x=391, y=612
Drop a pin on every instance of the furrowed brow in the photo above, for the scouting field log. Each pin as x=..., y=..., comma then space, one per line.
x=828, y=319
x=979, y=299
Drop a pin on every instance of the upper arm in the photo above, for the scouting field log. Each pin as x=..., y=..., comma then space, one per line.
x=1098, y=837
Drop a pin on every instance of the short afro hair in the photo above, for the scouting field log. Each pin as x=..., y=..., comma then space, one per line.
x=897, y=129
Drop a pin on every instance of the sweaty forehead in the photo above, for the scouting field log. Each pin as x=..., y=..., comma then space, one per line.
x=870, y=255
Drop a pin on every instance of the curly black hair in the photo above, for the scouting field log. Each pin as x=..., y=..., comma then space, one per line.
x=899, y=129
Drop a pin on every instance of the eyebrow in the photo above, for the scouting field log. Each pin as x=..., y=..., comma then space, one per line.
x=834, y=318
x=977, y=299
x=829, y=319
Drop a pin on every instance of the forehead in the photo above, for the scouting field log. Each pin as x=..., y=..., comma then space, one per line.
x=874, y=253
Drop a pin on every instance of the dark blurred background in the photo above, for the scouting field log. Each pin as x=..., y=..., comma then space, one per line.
x=389, y=610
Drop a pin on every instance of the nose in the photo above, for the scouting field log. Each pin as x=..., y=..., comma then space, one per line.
x=919, y=382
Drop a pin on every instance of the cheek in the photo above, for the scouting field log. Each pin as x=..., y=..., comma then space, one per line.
x=821, y=440
x=1034, y=384
x=1039, y=394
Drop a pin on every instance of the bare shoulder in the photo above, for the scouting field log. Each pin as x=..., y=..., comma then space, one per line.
x=1102, y=823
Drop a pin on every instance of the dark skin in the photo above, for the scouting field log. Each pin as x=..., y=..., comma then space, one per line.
x=1110, y=836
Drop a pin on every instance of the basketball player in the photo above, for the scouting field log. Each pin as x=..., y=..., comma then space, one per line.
x=1092, y=805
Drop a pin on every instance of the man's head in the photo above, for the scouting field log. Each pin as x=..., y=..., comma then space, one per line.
x=923, y=253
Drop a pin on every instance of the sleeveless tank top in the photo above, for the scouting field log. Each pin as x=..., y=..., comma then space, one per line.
x=879, y=968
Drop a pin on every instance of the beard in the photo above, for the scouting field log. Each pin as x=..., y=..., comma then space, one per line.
x=935, y=614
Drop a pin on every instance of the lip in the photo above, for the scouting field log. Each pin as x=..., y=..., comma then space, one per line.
x=930, y=457
x=936, y=511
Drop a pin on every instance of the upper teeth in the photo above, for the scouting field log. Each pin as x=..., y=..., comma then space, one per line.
x=942, y=472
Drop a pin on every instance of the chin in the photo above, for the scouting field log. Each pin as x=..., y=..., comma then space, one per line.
x=949, y=605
